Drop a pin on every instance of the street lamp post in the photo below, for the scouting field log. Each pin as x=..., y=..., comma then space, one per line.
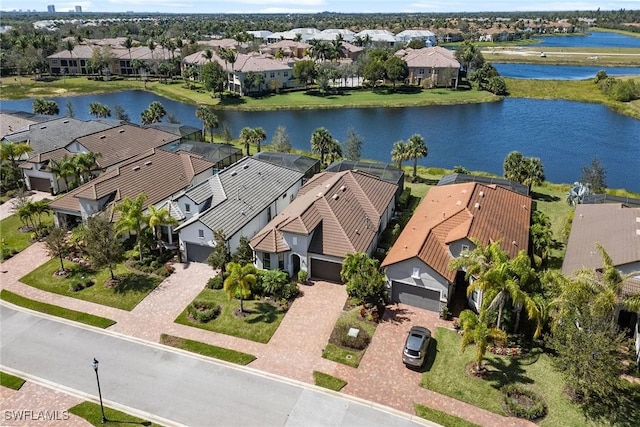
x=95, y=368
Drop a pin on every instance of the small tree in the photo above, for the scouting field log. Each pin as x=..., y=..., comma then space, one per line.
x=56, y=243
x=239, y=282
x=353, y=145
x=132, y=218
x=595, y=175
x=220, y=256
x=363, y=278
x=244, y=253
x=280, y=141
x=102, y=243
x=475, y=330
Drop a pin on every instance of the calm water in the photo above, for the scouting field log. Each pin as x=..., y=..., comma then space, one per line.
x=559, y=72
x=596, y=39
x=565, y=135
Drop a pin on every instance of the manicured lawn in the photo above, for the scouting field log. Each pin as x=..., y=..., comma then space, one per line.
x=442, y=418
x=54, y=310
x=91, y=412
x=259, y=325
x=344, y=355
x=15, y=239
x=447, y=375
x=11, y=381
x=207, y=350
x=132, y=289
x=328, y=381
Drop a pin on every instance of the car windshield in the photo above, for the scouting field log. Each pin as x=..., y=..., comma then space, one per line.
x=412, y=353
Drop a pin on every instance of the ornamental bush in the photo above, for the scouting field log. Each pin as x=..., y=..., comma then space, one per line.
x=203, y=311
x=340, y=337
x=523, y=402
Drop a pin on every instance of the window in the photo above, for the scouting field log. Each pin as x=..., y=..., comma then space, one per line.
x=54, y=61
x=291, y=198
x=286, y=74
x=201, y=234
x=281, y=261
x=187, y=207
x=463, y=251
x=266, y=261
x=63, y=62
x=295, y=240
x=416, y=273
x=269, y=214
x=273, y=75
x=284, y=196
x=421, y=71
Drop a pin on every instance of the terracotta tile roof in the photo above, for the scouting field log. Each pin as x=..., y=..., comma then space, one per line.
x=430, y=57
x=346, y=205
x=124, y=142
x=614, y=226
x=470, y=210
x=258, y=64
x=157, y=173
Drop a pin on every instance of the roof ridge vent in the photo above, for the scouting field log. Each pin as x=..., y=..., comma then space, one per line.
x=335, y=196
x=65, y=121
x=234, y=173
x=246, y=166
x=103, y=136
x=477, y=206
x=135, y=168
x=121, y=131
x=147, y=163
x=343, y=188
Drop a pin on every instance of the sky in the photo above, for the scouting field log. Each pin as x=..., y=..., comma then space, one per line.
x=314, y=6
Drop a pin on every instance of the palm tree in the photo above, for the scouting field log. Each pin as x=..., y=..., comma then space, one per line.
x=64, y=168
x=475, y=330
x=609, y=293
x=334, y=150
x=86, y=164
x=239, y=281
x=209, y=119
x=399, y=152
x=259, y=136
x=69, y=46
x=156, y=218
x=128, y=44
x=10, y=152
x=246, y=136
x=321, y=140
x=416, y=148
x=132, y=218
x=99, y=110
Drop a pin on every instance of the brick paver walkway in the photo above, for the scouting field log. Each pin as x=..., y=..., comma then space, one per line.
x=294, y=351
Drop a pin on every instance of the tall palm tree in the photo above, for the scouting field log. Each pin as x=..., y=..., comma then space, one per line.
x=259, y=136
x=156, y=218
x=246, y=137
x=132, y=218
x=321, y=140
x=128, y=44
x=399, y=153
x=209, y=119
x=86, y=164
x=12, y=153
x=239, y=281
x=475, y=330
x=64, y=169
x=416, y=149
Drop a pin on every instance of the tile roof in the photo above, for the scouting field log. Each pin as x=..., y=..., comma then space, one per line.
x=258, y=64
x=241, y=191
x=430, y=57
x=348, y=207
x=157, y=173
x=613, y=225
x=470, y=210
x=11, y=122
x=56, y=133
x=124, y=142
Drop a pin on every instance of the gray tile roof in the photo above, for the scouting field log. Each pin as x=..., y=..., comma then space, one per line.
x=250, y=186
x=56, y=133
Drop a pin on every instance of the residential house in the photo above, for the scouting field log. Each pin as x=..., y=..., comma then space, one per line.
x=18, y=121
x=240, y=201
x=304, y=34
x=441, y=228
x=383, y=171
x=431, y=66
x=159, y=174
x=114, y=146
x=289, y=48
x=277, y=74
x=448, y=35
x=330, y=34
x=428, y=37
x=334, y=214
x=383, y=37
x=260, y=34
x=616, y=227
x=457, y=178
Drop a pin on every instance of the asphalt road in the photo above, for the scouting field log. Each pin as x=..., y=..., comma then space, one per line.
x=174, y=386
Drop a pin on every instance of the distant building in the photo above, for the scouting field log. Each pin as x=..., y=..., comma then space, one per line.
x=78, y=9
x=51, y=9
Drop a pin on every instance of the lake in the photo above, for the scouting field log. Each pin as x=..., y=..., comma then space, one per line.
x=564, y=135
x=595, y=39
x=558, y=72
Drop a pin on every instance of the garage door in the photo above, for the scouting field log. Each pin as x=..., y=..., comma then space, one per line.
x=198, y=253
x=40, y=184
x=326, y=270
x=415, y=296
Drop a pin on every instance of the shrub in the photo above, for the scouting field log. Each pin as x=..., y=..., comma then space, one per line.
x=131, y=254
x=303, y=275
x=340, y=337
x=274, y=282
x=403, y=200
x=523, y=402
x=216, y=282
x=203, y=311
x=290, y=291
x=80, y=283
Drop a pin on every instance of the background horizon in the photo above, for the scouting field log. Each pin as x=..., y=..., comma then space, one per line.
x=317, y=6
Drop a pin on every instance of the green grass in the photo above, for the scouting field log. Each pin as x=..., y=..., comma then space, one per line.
x=207, y=350
x=327, y=381
x=54, y=310
x=91, y=412
x=441, y=418
x=15, y=239
x=446, y=375
x=344, y=355
x=11, y=381
x=132, y=289
x=259, y=325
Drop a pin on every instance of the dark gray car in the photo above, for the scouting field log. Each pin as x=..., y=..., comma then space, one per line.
x=415, y=348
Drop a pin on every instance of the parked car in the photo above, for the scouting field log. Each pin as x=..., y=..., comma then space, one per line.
x=415, y=348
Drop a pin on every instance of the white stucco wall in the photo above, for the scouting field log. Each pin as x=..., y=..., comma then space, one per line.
x=429, y=278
